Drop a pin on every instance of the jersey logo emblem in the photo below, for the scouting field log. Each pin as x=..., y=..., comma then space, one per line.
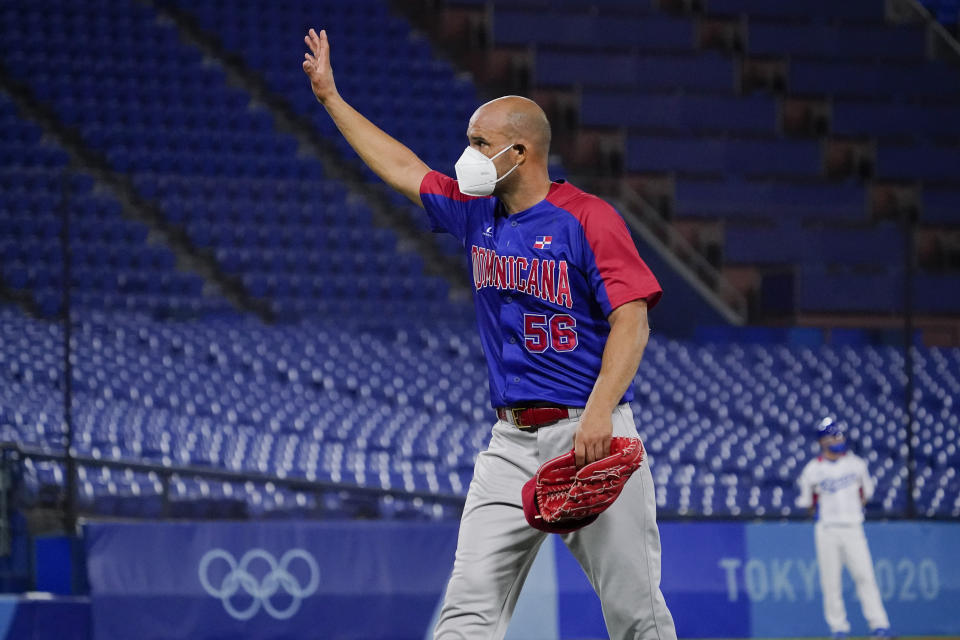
x=488, y=232
x=543, y=242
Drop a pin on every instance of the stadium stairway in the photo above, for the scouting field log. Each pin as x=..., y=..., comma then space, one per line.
x=392, y=74
x=744, y=121
x=947, y=12
x=115, y=263
x=403, y=407
x=255, y=59
x=291, y=240
x=181, y=157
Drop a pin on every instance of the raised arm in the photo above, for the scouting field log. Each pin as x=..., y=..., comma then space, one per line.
x=396, y=165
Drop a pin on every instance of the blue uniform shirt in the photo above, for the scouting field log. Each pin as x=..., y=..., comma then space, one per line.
x=544, y=280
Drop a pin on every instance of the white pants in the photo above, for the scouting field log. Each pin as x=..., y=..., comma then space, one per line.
x=619, y=552
x=846, y=544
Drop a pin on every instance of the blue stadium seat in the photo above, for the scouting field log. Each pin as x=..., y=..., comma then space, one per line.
x=749, y=158
x=832, y=41
x=683, y=401
x=768, y=201
x=706, y=72
x=941, y=206
x=815, y=10
x=405, y=407
x=881, y=120
x=679, y=113
x=918, y=162
x=789, y=244
x=522, y=27
x=821, y=291
x=851, y=79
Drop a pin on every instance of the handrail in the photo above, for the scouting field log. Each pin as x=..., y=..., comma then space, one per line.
x=945, y=36
x=166, y=472
x=709, y=282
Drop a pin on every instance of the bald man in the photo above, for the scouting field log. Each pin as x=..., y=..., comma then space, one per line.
x=561, y=297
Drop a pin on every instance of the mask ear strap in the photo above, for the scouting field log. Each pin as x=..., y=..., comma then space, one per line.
x=502, y=151
x=507, y=173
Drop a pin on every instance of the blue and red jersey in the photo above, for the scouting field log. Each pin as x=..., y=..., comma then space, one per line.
x=544, y=281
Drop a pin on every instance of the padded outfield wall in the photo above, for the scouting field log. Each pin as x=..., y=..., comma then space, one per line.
x=385, y=580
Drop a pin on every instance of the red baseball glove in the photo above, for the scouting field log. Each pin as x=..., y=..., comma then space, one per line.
x=560, y=498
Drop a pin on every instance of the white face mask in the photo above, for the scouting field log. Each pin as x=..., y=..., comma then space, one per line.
x=476, y=173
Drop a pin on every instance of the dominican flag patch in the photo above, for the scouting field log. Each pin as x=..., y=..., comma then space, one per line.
x=542, y=242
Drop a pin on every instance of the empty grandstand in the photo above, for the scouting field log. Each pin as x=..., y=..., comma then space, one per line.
x=209, y=309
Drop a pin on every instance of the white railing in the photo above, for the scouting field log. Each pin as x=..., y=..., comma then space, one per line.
x=681, y=255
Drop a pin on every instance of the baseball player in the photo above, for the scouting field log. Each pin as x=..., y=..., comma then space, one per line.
x=836, y=485
x=561, y=298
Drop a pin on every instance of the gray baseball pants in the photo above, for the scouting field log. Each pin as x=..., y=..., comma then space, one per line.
x=619, y=552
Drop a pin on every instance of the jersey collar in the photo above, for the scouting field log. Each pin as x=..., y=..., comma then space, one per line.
x=560, y=192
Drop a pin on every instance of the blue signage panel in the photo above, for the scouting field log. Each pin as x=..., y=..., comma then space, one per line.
x=778, y=576
x=386, y=579
x=578, y=606
x=695, y=582
x=918, y=572
x=267, y=580
x=737, y=580
x=917, y=566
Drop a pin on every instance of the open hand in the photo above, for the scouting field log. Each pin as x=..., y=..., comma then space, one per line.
x=317, y=66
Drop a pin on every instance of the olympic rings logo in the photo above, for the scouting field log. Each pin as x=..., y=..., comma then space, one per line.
x=277, y=577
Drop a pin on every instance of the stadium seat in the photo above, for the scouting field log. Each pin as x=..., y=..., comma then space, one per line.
x=357, y=390
x=210, y=393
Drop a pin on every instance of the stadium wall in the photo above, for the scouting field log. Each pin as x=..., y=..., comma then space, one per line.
x=384, y=579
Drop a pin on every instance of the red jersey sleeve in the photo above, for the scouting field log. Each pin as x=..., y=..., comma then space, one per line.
x=616, y=270
x=445, y=205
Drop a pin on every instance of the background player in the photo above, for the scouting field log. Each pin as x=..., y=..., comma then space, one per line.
x=561, y=297
x=836, y=485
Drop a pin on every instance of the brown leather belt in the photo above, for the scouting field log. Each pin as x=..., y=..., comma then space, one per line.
x=532, y=418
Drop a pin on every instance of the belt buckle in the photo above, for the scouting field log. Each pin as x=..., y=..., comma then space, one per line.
x=515, y=412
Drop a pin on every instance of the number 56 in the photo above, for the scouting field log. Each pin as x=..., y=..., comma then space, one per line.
x=559, y=332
